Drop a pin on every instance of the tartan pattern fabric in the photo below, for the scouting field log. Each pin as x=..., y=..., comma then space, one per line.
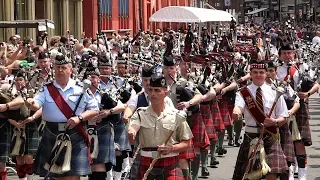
x=120, y=136
x=208, y=121
x=216, y=116
x=170, y=166
x=80, y=165
x=200, y=138
x=189, y=154
x=32, y=138
x=224, y=111
x=302, y=118
x=275, y=157
x=106, y=144
x=287, y=143
x=5, y=139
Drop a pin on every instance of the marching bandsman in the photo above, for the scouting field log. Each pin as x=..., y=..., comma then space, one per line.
x=24, y=125
x=140, y=100
x=7, y=107
x=45, y=74
x=184, y=99
x=293, y=105
x=62, y=112
x=289, y=71
x=168, y=129
x=255, y=101
x=105, y=158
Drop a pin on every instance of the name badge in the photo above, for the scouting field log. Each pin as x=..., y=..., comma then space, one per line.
x=61, y=127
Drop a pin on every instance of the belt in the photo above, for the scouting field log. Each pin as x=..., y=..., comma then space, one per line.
x=56, y=126
x=252, y=129
x=149, y=149
x=154, y=154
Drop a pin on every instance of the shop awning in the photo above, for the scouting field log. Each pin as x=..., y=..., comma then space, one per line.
x=257, y=11
x=40, y=24
x=185, y=14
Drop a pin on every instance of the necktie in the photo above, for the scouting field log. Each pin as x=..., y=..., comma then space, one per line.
x=259, y=99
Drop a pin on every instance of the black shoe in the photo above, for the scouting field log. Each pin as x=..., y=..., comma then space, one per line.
x=205, y=172
x=213, y=161
x=220, y=152
x=224, y=151
x=237, y=143
x=230, y=143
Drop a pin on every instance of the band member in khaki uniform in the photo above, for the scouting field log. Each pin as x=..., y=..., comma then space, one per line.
x=155, y=124
x=250, y=101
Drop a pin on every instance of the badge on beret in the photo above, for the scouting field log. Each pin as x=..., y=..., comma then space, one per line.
x=163, y=82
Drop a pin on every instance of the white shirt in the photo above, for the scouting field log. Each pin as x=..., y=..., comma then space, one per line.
x=268, y=97
x=316, y=40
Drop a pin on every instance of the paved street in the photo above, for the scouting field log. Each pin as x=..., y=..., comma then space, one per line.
x=224, y=171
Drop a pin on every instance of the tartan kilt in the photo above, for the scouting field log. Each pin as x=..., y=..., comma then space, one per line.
x=189, y=154
x=106, y=144
x=32, y=138
x=80, y=165
x=208, y=121
x=275, y=157
x=5, y=139
x=200, y=138
x=302, y=118
x=216, y=116
x=170, y=166
x=224, y=111
x=120, y=136
x=287, y=143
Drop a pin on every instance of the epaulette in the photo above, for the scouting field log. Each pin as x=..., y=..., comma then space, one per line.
x=141, y=109
x=78, y=83
x=47, y=83
x=89, y=92
x=181, y=115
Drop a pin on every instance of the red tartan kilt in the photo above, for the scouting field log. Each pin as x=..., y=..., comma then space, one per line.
x=189, y=154
x=287, y=143
x=275, y=157
x=302, y=118
x=208, y=121
x=224, y=111
x=172, y=173
x=216, y=116
x=200, y=138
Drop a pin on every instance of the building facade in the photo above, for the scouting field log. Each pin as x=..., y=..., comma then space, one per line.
x=120, y=16
x=66, y=14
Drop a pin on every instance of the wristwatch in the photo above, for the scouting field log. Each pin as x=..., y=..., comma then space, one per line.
x=190, y=103
x=80, y=118
x=309, y=94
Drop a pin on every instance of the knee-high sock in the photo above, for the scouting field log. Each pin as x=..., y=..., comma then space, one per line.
x=21, y=171
x=28, y=169
x=220, y=138
x=237, y=129
x=195, y=165
x=3, y=175
x=118, y=166
x=186, y=174
x=213, y=148
x=98, y=176
x=230, y=132
x=204, y=157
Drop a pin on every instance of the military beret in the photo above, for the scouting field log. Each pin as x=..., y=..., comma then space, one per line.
x=43, y=55
x=272, y=64
x=147, y=71
x=258, y=65
x=92, y=70
x=104, y=61
x=62, y=59
x=169, y=61
x=158, y=80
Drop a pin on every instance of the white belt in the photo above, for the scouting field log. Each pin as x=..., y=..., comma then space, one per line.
x=154, y=154
x=252, y=129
